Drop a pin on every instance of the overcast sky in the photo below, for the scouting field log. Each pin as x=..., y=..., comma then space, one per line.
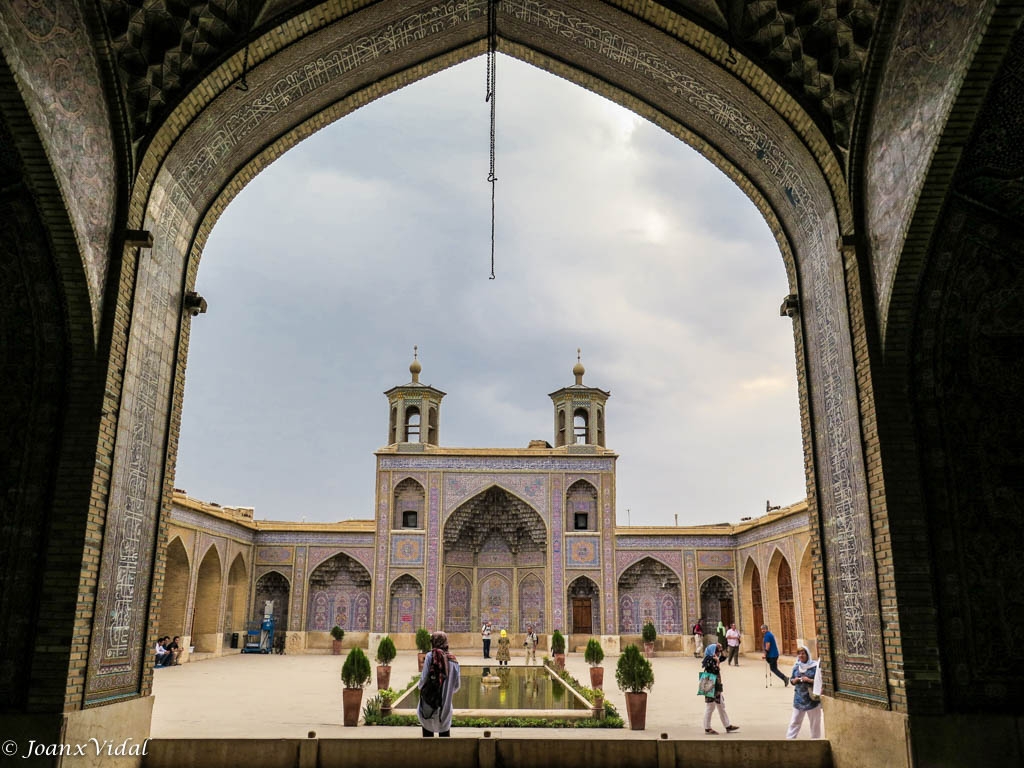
x=373, y=235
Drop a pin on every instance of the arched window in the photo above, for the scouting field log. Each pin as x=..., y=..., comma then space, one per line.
x=432, y=426
x=579, y=425
x=600, y=427
x=391, y=426
x=561, y=427
x=412, y=425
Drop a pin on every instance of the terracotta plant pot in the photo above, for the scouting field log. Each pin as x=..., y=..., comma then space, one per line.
x=636, y=708
x=384, y=677
x=649, y=650
x=385, y=711
x=419, y=660
x=559, y=661
x=352, y=702
x=596, y=677
x=336, y=647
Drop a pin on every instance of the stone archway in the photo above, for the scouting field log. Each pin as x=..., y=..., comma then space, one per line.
x=781, y=604
x=177, y=574
x=206, y=615
x=339, y=595
x=237, y=597
x=492, y=541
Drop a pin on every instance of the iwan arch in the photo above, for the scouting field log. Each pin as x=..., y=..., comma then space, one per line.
x=880, y=140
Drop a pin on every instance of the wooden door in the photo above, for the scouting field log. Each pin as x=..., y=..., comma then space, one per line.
x=582, y=617
x=787, y=611
x=725, y=605
x=758, y=605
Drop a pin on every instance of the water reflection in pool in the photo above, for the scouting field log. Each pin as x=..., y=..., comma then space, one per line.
x=505, y=688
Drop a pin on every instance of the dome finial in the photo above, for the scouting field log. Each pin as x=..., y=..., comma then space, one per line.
x=578, y=370
x=414, y=366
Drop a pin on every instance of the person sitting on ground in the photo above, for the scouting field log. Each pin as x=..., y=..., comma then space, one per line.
x=712, y=665
x=161, y=652
x=174, y=649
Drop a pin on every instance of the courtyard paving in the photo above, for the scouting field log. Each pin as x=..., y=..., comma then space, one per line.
x=257, y=696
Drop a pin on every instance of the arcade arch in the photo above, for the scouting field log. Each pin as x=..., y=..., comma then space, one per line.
x=237, y=597
x=177, y=573
x=781, y=603
x=206, y=615
x=649, y=590
x=717, y=603
x=752, y=607
x=406, y=609
x=272, y=587
x=584, y=602
x=339, y=595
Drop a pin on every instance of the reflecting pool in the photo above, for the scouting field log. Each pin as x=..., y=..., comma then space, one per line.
x=506, y=688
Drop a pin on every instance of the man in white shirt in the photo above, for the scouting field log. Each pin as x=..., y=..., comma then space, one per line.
x=732, y=639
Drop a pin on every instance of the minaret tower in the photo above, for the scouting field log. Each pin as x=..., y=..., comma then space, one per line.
x=579, y=411
x=414, y=408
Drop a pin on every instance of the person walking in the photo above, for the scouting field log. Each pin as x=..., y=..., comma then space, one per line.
x=732, y=639
x=531, y=645
x=804, y=673
x=771, y=654
x=503, y=650
x=698, y=639
x=439, y=681
x=711, y=664
x=485, y=632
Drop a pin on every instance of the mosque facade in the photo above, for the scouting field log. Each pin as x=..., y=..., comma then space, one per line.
x=520, y=537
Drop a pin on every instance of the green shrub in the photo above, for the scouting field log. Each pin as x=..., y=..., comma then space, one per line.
x=634, y=673
x=355, y=672
x=337, y=633
x=386, y=651
x=423, y=640
x=557, y=642
x=594, y=654
x=649, y=632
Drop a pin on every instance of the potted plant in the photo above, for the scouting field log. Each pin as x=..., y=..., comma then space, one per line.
x=385, y=655
x=594, y=655
x=649, y=633
x=387, y=698
x=558, y=649
x=423, y=644
x=635, y=677
x=337, y=635
x=355, y=673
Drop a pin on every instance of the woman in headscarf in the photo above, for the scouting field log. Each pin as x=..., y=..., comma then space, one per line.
x=804, y=672
x=712, y=657
x=438, y=683
x=503, y=656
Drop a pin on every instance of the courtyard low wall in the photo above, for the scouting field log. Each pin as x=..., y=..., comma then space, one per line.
x=578, y=752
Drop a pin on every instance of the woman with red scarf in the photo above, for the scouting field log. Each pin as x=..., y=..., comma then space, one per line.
x=438, y=683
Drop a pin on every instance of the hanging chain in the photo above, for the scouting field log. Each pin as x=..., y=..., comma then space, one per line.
x=492, y=60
